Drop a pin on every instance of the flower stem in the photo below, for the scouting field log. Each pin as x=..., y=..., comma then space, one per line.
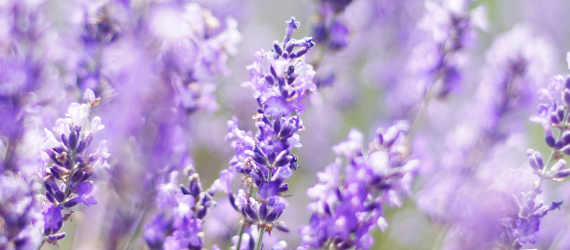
x=241, y=230
x=42, y=242
x=260, y=239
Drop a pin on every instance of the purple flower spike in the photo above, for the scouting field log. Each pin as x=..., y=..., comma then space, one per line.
x=67, y=184
x=345, y=211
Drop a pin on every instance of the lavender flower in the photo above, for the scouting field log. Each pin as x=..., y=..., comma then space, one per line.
x=347, y=207
x=179, y=225
x=484, y=147
x=72, y=166
x=452, y=29
x=18, y=211
x=522, y=228
x=328, y=30
x=435, y=63
x=280, y=80
x=159, y=83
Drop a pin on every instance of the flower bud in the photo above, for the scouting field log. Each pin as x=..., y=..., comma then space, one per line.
x=561, y=174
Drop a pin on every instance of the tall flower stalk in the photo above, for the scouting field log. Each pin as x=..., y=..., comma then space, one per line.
x=553, y=115
x=280, y=79
x=66, y=181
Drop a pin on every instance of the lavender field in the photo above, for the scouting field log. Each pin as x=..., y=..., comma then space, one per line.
x=284, y=124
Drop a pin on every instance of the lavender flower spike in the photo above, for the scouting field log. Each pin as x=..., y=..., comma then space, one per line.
x=346, y=208
x=280, y=79
x=179, y=225
x=520, y=229
x=67, y=181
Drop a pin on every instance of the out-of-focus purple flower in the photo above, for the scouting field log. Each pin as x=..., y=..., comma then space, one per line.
x=328, y=29
x=155, y=230
x=179, y=223
x=338, y=36
x=19, y=211
x=469, y=185
x=435, y=64
x=346, y=208
x=31, y=49
x=521, y=228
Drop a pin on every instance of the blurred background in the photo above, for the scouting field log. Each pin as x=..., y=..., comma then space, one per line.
x=368, y=72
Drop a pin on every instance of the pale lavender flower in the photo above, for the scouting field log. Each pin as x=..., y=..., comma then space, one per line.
x=72, y=168
x=465, y=191
x=19, y=212
x=435, y=64
x=179, y=223
x=347, y=207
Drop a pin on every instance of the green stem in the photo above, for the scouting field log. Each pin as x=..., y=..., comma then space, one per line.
x=41, y=244
x=241, y=230
x=260, y=239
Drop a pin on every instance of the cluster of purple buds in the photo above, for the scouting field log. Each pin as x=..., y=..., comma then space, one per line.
x=554, y=114
x=347, y=207
x=66, y=182
x=328, y=30
x=280, y=78
x=266, y=162
x=179, y=226
x=521, y=228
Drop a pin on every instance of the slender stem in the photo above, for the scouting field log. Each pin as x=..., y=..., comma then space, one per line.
x=418, y=118
x=545, y=168
x=241, y=230
x=260, y=239
x=41, y=244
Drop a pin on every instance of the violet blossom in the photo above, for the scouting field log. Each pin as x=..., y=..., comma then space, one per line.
x=347, y=207
x=72, y=168
x=280, y=80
